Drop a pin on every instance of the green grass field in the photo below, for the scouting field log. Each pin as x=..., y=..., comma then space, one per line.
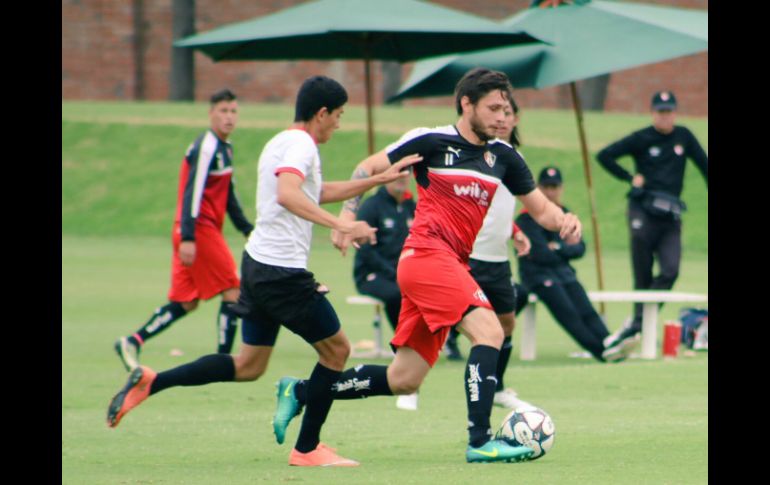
x=634, y=422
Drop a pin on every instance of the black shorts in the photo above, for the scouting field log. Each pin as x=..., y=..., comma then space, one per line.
x=272, y=296
x=496, y=281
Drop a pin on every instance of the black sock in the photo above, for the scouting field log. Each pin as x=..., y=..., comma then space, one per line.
x=160, y=321
x=502, y=362
x=480, y=382
x=362, y=381
x=358, y=382
x=227, y=324
x=209, y=368
x=319, y=398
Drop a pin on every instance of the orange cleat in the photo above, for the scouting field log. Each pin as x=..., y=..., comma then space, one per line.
x=134, y=392
x=322, y=456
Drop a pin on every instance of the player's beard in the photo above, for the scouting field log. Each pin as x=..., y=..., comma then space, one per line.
x=479, y=129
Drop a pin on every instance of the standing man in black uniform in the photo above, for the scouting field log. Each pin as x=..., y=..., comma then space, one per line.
x=660, y=153
x=391, y=211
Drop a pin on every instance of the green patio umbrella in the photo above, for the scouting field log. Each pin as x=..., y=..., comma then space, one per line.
x=396, y=30
x=585, y=39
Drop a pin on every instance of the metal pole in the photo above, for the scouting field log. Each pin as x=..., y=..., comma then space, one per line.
x=589, y=184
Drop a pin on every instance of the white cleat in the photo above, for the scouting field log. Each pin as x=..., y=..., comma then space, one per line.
x=622, y=349
x=613, y=338
x=407, y=402
x=508, y=398
x=128, y=353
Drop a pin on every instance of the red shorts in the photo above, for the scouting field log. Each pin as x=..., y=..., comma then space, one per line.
x=212, y=272
x=437, y=289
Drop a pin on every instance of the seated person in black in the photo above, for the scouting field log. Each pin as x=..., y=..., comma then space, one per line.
x=546, y=272
x=391, y=211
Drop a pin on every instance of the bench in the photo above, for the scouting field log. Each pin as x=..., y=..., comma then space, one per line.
x=650, y=298
x=378, y=351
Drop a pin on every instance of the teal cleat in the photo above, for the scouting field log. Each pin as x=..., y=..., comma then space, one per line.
x=497, y=450
x=288, y=407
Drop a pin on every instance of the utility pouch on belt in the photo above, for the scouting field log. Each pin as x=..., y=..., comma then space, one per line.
x=661, y=204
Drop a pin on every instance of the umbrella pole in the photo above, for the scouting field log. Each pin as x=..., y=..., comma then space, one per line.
x=589, y=184
x=368, y=80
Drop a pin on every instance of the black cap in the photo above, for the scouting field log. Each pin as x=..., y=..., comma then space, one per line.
x=664, y=100
x=549, y=176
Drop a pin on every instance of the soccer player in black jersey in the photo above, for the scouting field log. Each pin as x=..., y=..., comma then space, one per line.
x=201, y=265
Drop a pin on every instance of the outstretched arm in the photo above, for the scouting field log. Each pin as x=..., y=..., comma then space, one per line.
x=291, y=197
x=551, y=217
x=373, y=164
x=372, y=171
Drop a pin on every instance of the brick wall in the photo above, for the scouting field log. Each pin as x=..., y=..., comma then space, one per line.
x=98, y=59
x=97, y=54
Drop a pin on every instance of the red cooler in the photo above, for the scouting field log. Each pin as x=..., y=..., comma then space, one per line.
x=672, y=335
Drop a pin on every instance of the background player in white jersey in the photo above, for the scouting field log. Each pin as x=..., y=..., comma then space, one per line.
x=276, y=288
x=462, y=167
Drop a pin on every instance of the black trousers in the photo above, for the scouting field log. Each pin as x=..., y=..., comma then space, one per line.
x=653, y=237
x=570, y=306
x=387, y=291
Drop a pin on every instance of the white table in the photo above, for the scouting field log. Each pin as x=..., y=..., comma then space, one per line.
x=650, y=298
x=379, y=350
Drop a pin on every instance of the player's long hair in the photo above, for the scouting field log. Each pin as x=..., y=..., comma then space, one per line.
x=477, y=82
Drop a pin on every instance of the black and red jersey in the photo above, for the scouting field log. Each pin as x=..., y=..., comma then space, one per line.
x=206, y=187
x=456, y=181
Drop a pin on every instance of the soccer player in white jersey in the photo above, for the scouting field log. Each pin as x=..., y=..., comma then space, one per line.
x=276, y=288
x=463, y=166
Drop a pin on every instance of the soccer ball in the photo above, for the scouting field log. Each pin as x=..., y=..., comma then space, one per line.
x=528, y=426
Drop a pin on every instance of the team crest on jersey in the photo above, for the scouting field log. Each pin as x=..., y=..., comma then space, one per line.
x=490, y=158
x=479, y=295
x=230, y=152
x=678, y=149
x=389, y=223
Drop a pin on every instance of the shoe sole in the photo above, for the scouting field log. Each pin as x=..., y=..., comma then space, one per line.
x=280, y=437
x=122, y=354
x=515, y=459
x=344, y=464
x=525, y=456
x=518, y=459
x=117, y=402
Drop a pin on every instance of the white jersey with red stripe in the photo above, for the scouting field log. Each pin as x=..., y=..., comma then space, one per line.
x=492, y=241
x=456, y=182
x=281, y=238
